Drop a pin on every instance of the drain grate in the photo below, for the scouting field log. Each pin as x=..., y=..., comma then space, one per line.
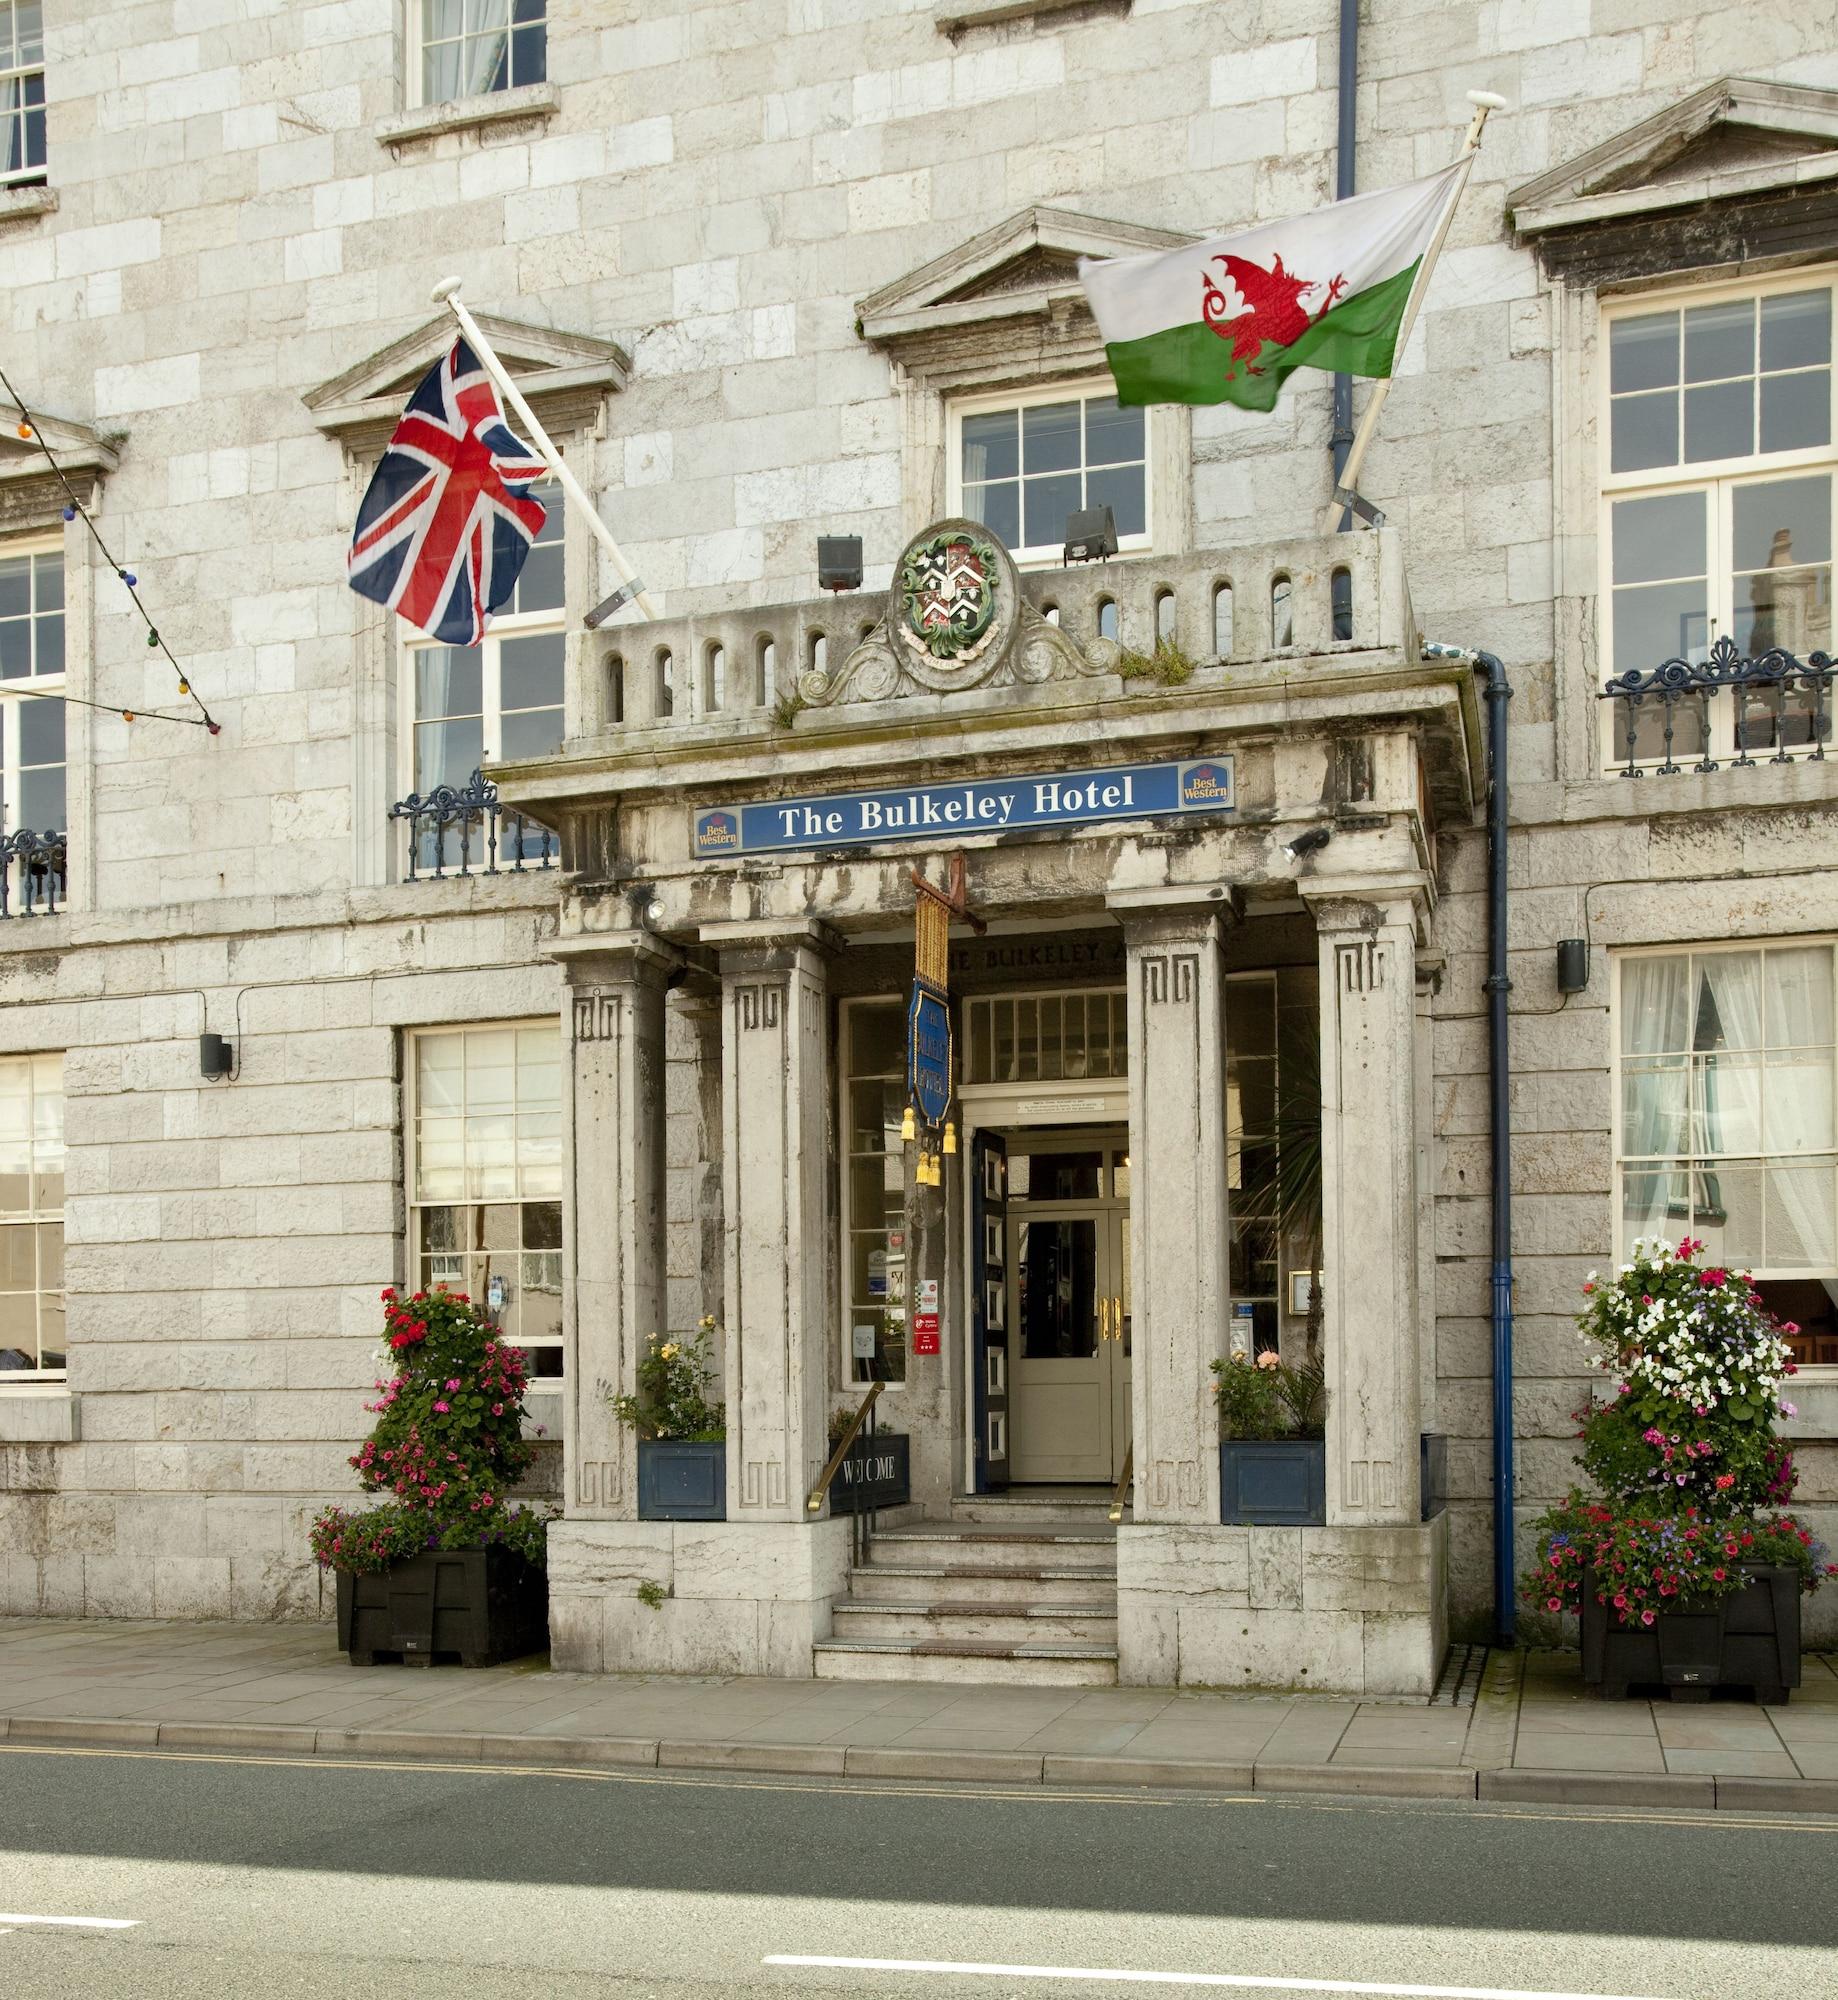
x=1461, y=1677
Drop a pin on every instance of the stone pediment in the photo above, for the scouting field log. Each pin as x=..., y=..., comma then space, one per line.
x=1737, y=138
x=1014, y=288
x=566, y=376
x=31, y=495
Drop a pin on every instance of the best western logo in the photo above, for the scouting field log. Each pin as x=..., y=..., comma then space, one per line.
x=717, y=831
x=1206, y=785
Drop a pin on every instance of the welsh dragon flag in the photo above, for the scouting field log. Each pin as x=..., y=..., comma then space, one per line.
x=1227, y=321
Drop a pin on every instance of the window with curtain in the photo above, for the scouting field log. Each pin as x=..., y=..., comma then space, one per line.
x=31, y=1217
x=485, y=1176
x=22, y=92
x=1718, y=503
x=493, y=702
x=1726, y=1119
x=471, y=47
x=1023, y=464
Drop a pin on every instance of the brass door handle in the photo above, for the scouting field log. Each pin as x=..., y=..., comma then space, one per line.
x=1103, y=1321
x=1116, y=1318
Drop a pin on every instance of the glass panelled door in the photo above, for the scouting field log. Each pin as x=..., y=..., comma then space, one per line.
x=1069, y=1316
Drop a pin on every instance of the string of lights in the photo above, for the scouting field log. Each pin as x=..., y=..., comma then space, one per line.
x=74, y=509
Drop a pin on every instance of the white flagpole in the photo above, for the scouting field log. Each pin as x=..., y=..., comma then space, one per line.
x=446, y=293
x=1346, y=490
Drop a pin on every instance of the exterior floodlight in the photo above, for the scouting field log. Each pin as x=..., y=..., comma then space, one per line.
x=1311, y=842
x=215, y=1056
x=1091, y=535
x=1572, y=965
x=839, y=562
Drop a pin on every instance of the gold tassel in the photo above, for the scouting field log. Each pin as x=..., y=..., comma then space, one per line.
x=950, y=1138
x=908, y=1128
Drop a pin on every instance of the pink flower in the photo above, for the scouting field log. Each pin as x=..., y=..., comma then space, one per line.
x=1646, y=1618
x=1553, y=1604
x=454, y=1384
x=443, y=1408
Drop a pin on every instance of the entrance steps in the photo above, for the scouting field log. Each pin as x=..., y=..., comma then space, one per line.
x=1030, y=1601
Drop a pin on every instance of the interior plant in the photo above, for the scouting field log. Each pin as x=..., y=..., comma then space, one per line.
x=1684, y=1453
x=675, y=1376
x=447, y=1445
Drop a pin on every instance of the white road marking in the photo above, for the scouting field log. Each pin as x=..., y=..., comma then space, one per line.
x=1241, y=1980
x=76, y=1923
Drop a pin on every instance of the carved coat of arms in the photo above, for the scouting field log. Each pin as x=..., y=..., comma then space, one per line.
x=948, y=594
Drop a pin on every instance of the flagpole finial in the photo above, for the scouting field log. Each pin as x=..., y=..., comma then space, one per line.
x=445, y=290
x=1486, y=100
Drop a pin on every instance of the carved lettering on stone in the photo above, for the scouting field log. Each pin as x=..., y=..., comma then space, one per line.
x=1360, y=966
x=596, y=1015
x=759, y=1006
x=1169, y=979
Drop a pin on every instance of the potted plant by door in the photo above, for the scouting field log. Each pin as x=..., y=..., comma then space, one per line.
x=1272, y=1441
x=1681, y=1575
x=682, y=1436
x=446, y=1567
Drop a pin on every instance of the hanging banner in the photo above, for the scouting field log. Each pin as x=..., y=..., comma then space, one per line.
x=983, y=805
x=928, y=1053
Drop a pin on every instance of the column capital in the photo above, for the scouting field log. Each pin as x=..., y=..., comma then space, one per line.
x=616, y=958
x=769, y=944
x=1361, y=903
x=1175, y=910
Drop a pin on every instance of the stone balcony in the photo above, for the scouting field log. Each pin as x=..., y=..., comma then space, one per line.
x=1188, y=654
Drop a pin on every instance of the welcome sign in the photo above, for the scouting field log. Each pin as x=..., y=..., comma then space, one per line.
x=979, y=805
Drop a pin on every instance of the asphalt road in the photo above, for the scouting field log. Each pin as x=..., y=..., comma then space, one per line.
x=276, y=1878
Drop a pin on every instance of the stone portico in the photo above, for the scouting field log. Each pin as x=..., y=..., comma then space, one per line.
x=1355, y=737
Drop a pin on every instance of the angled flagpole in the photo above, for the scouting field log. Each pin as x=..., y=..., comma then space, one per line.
x=1346, y=491
x=446, y=293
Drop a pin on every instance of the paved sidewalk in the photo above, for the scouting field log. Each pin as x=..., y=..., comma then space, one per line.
x=1532, y=1732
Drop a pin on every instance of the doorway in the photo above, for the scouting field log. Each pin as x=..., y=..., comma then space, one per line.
x=1069, y=1307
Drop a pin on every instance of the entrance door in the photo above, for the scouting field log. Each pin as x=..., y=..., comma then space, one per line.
x=1069, y=1314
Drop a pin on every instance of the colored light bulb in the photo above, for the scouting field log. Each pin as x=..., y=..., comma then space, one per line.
x=70, y=513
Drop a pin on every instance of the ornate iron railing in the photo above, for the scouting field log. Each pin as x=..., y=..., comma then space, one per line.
x=34, y=875
x=464, y=830
x=1781, y=704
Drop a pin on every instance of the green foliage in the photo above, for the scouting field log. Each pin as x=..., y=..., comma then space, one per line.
x=1170, y=663
x=1266, y=1398
x=672, y=1403
x=447, y=1443
x=651, y=1594
x=1684, y=1451
x=787, y=709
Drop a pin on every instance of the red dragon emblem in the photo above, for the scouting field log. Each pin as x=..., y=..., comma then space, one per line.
x=1274, y=314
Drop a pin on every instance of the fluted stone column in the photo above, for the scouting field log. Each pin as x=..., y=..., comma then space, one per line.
x=775, y=1093
x=1178, y=1201
x=613, y=1223
x=1367, y=937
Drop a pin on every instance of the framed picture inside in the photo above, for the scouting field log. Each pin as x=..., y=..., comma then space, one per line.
x=1300, y=1283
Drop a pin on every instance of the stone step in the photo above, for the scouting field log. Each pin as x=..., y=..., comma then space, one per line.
x=1014, y=1622
x=970, y=1660
x=884, y=1580
x=1058, y=1544
x=1014, y=1510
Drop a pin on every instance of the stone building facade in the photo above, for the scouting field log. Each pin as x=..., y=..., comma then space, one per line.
x=787, y=268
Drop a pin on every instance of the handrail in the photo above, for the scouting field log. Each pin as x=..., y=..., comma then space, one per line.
x=1123, y=1483
x=820, y=1492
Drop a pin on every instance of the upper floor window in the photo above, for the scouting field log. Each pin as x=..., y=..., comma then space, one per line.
x=1725, y=1125
x=1023, y=464
x=31, y=1216
x=493, y=702
x=485, y=1176
x=32, y=728
x=1718, y=503
x=22, y=91
x=469, y=47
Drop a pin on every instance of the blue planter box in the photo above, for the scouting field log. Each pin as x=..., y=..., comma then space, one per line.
x=682, y=1482
x=1273, y=1482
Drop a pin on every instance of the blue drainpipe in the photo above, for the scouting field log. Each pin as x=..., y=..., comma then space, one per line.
x=1498, y=693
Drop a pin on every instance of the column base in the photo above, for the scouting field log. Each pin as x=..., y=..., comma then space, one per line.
x=1353, y=1611
x=736, y=1597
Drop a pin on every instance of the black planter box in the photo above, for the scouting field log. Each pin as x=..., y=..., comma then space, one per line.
x=682, y=1482
x=478, y=1606
x=877, y=1472
x=1749, y=1639
x=1433, y=1472
x=1273, y=1482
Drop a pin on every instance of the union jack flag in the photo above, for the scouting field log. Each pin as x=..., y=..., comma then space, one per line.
x=448, y=519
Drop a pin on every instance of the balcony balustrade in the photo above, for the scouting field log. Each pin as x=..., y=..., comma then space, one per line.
x=34, y=874
x=467, y=830
x=1774, y=703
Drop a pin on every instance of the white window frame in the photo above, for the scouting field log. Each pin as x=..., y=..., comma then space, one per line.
x=12, y=706
x=1620, y=958
x=413, y=1202
x=30, y=176
x=846, y=1306
x=1722, y=476
x=415, y=96
x=36, y=1219
x=1045, y=555
x=501, y=625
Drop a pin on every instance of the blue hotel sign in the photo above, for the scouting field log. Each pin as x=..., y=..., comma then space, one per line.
x=977, y=805
x=928, y=1053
